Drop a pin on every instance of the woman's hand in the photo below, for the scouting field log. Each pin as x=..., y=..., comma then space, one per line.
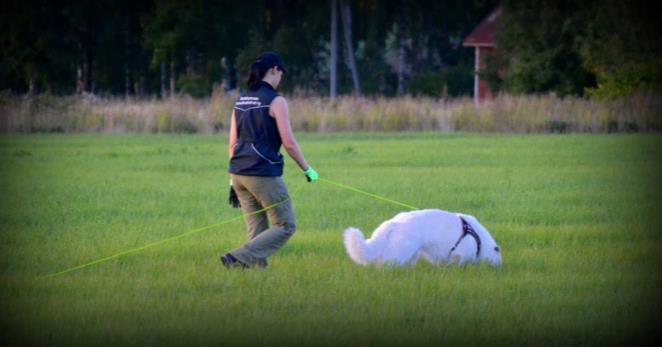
x=311, y=174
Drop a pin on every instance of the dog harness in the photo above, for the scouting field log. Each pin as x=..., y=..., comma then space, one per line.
x=467, y=230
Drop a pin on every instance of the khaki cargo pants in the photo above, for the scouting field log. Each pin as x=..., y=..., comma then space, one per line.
x=256, y=193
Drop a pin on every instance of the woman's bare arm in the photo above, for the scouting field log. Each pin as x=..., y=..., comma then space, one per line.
x=233, y=135
x=280, y=112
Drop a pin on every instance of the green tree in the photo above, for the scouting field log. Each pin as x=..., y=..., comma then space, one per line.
x=606, y=48
x=124, y=47
x=540, y=40
x=37, y=47
x=622, y=46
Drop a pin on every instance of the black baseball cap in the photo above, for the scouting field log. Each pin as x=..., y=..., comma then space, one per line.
x=267, y=60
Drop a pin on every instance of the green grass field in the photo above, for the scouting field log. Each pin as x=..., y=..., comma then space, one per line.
x=577, y=218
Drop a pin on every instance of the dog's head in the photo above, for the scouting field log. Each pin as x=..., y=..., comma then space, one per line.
x=490, y=251
x=491, y=254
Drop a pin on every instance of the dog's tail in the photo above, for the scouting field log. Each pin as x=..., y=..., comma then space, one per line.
x=356, y=246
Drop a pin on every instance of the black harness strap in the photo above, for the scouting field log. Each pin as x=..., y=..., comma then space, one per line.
x=468, y=230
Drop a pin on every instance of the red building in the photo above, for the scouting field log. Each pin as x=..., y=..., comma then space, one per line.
x=482, y=39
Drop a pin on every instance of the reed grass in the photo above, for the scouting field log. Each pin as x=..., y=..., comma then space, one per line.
x=183, y=114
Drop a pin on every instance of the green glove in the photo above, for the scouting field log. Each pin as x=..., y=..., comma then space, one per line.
x=311, y=174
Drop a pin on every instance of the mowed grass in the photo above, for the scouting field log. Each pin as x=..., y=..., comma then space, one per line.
x=577, y=218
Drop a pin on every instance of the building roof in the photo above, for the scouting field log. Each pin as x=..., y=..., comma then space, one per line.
x=483, y=35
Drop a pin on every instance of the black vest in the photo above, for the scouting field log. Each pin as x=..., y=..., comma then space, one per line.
x=256, y=152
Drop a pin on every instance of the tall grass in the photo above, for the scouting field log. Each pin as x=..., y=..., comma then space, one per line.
x=183, y=114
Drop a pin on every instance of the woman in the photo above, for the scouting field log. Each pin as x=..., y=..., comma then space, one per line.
x=260, y=124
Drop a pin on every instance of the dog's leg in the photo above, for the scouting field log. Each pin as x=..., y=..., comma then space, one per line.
x=461, y=257
x=430, y=258
x=403, y=253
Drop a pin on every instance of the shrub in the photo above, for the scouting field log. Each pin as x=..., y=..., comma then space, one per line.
x=194, y=85
x=451, y=81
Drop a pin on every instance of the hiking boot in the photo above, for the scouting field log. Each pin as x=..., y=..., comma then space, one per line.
x=229, y=262
x=262, y=263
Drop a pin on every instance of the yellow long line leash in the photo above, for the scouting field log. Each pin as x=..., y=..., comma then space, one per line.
x=375, y=196
x=198, y=230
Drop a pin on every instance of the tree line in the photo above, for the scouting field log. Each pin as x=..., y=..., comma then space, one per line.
x=603, y=48
x=369, y=47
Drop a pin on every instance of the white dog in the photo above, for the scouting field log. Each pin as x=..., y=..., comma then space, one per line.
x=438, y=236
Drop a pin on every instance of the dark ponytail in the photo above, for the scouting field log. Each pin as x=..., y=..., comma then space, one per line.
x=260, y=66
x=255, y=76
